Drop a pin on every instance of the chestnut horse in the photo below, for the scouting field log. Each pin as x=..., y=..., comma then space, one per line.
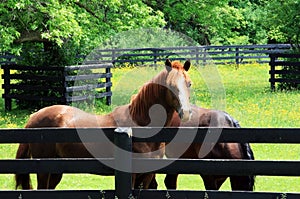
x=202, y=117
x=169, y=89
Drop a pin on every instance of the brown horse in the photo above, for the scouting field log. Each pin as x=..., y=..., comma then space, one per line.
x=169, y=89
x=210, y=118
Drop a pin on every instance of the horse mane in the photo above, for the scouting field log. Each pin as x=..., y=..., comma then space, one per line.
x=148, y=95
x=178, y=65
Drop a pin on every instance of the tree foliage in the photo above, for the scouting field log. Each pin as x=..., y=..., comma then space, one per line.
x=84, y=23
x=282, y=20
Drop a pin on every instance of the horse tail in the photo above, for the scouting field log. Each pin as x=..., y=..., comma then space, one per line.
x=23, y=180
x=248, y=155
x=242, y=182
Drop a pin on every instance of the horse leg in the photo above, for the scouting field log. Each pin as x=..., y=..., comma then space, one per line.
x=134, y=180
x=143, y=181
x=171, y=181
x=43, y=180
x=43, y=151
x=54, y=180
x=153, y=183
x=241, y=183
x=213, y=182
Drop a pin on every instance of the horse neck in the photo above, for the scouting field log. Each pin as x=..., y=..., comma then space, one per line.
x=152, y=93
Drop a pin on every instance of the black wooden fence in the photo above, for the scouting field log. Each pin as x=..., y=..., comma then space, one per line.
x=234, y=54
x=66, y=84
x=283, y=70
x=230, y=54
x=123, y=180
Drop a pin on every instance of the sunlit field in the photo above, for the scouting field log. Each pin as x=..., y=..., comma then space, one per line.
x=244, y=92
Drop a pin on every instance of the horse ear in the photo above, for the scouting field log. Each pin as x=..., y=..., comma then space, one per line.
x=168, y=65
x=187, y=65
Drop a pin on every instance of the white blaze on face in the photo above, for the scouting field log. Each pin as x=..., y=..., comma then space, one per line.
x=184, y=96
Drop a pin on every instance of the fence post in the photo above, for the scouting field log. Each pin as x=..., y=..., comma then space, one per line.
x=197, y=54
x=123, y=162
x=237, y=56
x=154, y=51
x=108, y=88
x=6, y=86
x=272, y=71
x=204, y=56
x=113, y=56
x=65, y=85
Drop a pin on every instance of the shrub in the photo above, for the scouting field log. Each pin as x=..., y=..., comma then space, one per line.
x=42, y=55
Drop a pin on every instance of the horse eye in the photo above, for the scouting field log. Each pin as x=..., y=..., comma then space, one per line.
x=189, y=84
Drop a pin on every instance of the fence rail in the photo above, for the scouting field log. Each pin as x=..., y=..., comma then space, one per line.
x=230, y=54
x=234, y=54
x=283, y=70
x=63, y=85
x=90, y=165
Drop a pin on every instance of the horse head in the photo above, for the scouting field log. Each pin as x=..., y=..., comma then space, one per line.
x=178, y=83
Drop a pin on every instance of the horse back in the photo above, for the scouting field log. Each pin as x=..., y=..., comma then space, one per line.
x=67, y=116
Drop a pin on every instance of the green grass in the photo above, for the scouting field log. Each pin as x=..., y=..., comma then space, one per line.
x=248, y=99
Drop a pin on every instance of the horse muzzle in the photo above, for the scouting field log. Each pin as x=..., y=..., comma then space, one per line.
x=185, y=115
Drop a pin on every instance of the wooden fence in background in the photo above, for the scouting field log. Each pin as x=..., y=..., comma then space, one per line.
x=283, y=70
x=230, y=54
x=60, y=85
x=123, y=140
x=234, y=54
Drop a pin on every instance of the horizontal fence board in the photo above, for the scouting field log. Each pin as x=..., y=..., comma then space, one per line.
x=285, y=80
x=33, y=98
x=145, y=194
x=167, y=166
x=88, y=97
x=104, y=94
x=87, y=67
x=58, y=194
x=31, y=77
x=60, y=165
x=197, y=135
x=286, y=63
x=173, y=194
x=33, y=68
x=221, y=167
x=87, y=87
x=242, y=135
x=52, y=135
x=284, y=72
x=33, y=87
x=87, y=77
x=285, y=55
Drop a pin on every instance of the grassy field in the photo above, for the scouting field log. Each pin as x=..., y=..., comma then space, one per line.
x=247, y=98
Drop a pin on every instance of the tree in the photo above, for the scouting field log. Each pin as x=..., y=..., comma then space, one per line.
x=214, y=22
x=281, y=20
x=82, y=23
x=192, y=18
x=52, y=32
